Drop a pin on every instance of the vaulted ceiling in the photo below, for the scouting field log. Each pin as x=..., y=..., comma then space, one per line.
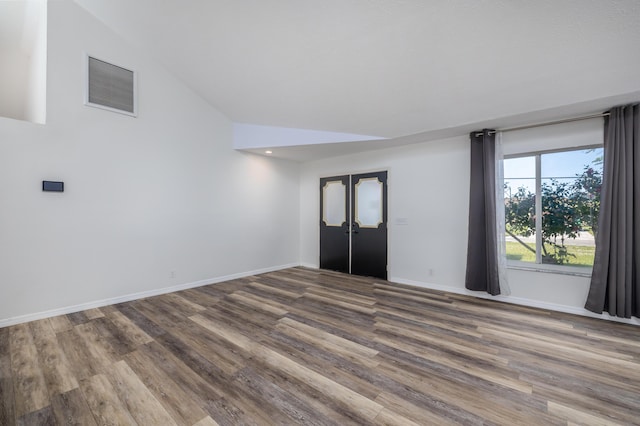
x=389, y=68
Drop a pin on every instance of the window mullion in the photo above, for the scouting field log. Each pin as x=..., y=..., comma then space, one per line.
x=538, y=209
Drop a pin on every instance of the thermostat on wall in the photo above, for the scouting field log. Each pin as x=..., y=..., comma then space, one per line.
x=50, y=186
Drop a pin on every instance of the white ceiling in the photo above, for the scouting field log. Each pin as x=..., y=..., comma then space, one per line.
x=389, y=68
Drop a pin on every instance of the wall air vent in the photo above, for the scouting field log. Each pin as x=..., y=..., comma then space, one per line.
x=110, y=87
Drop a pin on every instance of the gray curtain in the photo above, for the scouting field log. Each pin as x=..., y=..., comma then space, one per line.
x=614, y=282
x=482, y=250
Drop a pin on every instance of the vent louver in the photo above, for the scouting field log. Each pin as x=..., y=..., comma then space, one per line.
x=110, y=87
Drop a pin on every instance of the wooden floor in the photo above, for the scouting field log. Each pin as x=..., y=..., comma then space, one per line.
x=312, y=347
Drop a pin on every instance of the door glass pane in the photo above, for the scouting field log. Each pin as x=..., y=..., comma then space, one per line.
x=368, y=203
x=334, y=195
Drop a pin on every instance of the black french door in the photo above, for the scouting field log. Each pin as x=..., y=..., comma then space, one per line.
x=353, y=224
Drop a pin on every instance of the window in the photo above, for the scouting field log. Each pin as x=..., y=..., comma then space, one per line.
x=563, y=189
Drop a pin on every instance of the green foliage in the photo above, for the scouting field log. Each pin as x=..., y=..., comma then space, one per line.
x=520, y=210
x=586, y=196
x=567, y=208
x=558, y=221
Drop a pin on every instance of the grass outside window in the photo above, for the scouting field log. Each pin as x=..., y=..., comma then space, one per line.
x=578, y=255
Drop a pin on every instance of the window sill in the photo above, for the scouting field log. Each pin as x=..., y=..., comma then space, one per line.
x=575, y=271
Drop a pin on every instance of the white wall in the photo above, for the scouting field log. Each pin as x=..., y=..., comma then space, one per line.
x=13, y=85
x=23, y=49
x=143, y=196
x=429, y=186
x=36, y=90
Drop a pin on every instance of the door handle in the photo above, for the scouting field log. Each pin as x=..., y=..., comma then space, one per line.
x=355, y=228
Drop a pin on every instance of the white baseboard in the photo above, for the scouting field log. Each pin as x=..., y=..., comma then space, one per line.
x=517, y=301
x=309, y=265
x=5, y=322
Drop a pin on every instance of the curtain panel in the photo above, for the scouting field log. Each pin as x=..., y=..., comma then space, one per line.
x=614, y=281
x=482, y=272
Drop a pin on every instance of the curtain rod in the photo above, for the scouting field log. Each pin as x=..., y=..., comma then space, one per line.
x=548, y=123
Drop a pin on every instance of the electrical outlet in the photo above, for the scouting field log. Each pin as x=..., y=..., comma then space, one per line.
x=430, y=272
x=172, y=274
x=402, y=221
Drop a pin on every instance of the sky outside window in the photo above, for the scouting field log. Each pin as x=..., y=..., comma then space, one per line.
x=521, y=171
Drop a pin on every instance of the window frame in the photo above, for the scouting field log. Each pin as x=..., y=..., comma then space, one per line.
x=538, y=266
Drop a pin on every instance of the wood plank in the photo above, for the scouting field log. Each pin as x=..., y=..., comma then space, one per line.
x=277, y=405
x=225, y=412
x=200, y=297
x=183, y=304
x=92, y=314
x=275, y=292
x=53, y=362
x=346, y=305
x=207, y=421
x=43, y=416
x=78, y=355
x=116, y=340
x=71, y=408
x=414, y=298
x=361, y=332
x=416, y=413
x=138, y=399
x=106, y=310
x=189, y=380
x=336, y=344
x=7, y=398
x=403, y=289
x=77, y=318
x=390, y=418
x=216, y=351
x=343, y=295
x=60, y=323
x=30, y=387
x=102, y=352
x=579, y=417
x=260, y=303
x=178, y=403
x=103, y=401
x=443, y=318
x=159, y=312
x=139, y=319
x=135, y=335
x=323, y=406
x=355, y=376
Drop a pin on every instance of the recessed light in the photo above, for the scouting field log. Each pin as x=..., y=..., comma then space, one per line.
x=268, y=152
